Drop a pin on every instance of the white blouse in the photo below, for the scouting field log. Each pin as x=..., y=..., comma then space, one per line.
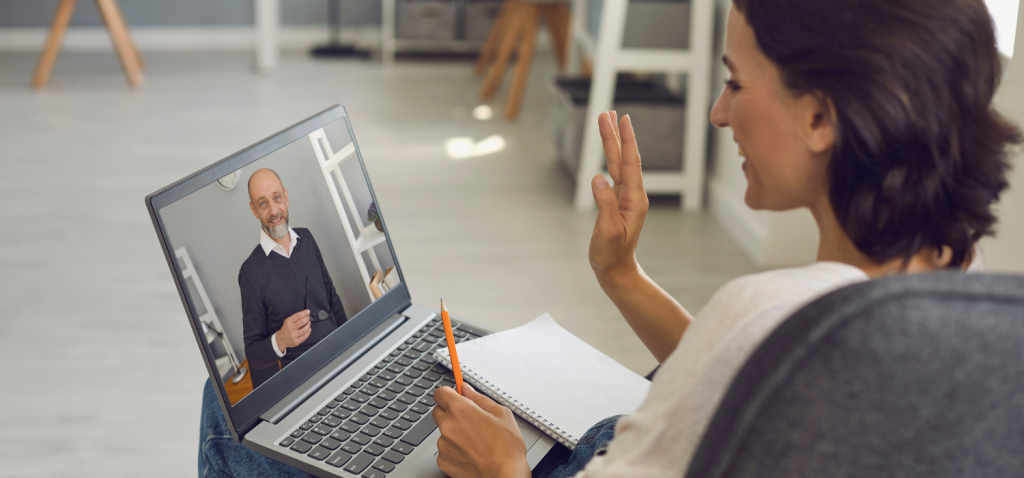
x=660, y=439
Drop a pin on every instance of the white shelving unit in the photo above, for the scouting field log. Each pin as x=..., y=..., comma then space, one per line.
x=609, y=58
x=368, y=236
x=225, y=365
x=267, y=25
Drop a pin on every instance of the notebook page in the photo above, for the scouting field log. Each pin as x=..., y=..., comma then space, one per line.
x=554, y=374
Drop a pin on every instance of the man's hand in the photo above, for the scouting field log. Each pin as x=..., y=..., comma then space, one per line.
x=622, y=207
x=294, y=331
x=479, y=438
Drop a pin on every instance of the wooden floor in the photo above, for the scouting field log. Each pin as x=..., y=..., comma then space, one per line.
x=103, y=376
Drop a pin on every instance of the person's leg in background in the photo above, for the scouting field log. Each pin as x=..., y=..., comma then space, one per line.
x=221, y=456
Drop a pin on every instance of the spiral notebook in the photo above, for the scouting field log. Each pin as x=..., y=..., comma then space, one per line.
x=550, y=378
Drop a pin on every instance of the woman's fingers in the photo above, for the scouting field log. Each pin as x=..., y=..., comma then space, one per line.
x=448, y=454
x=443, y=396
x=632, y=179
x=607, y=203
x=610, y=142
x=483, y=401
x=609, y=227
x=615, y=125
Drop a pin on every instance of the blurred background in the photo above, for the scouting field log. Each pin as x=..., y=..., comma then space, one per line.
x=477, y=122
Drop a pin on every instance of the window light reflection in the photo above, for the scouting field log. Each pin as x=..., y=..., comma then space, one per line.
x=462, y=148
x=483, y=112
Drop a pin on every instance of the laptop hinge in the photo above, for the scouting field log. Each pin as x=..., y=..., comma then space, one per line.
x=322, y=377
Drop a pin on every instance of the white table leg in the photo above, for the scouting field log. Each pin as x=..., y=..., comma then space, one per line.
x=387, y=31
x=267, y=20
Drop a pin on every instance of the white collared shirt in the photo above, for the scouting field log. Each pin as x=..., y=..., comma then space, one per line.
x=270, y=245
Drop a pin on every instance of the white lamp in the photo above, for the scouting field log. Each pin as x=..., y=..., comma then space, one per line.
x=212, y=334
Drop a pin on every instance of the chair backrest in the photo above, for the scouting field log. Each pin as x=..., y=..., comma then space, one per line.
x=911, y=376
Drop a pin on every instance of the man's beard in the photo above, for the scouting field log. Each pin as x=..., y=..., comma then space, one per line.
x=279, y=231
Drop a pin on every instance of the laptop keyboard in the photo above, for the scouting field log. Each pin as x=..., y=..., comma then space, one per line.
x=382, y=417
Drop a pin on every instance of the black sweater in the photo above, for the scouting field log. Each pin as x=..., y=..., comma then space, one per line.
x=274, y=287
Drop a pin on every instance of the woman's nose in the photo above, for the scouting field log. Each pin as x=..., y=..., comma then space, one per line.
x=720, y=112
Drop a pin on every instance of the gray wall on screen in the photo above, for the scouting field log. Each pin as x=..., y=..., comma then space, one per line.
x=39, y=13
x=337, y=135
x=219, y=231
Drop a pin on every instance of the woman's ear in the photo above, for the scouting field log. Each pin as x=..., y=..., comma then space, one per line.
x=820, y=122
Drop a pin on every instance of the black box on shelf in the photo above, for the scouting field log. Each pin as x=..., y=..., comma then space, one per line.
x=479, y=18
x=426, y=20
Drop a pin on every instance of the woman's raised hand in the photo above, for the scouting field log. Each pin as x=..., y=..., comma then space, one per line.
x=622, y=207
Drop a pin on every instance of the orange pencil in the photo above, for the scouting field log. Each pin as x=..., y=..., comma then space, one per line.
x=451, y=347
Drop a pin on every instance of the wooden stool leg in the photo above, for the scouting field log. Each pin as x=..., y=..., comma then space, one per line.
x=523, y=61
x=122, y=41
x=493, y=38
x=511, y=31
x=61, y=19
x=557, y=17
x=131, y=41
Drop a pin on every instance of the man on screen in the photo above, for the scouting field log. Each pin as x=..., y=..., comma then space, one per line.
x=288, y=300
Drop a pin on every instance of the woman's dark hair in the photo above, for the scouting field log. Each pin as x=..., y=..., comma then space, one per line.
x=920, y=154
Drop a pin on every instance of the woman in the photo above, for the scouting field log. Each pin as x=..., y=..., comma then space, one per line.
x=875, y=115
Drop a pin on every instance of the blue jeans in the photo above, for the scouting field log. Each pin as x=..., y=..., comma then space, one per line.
x=561, y=463
x=220, y=456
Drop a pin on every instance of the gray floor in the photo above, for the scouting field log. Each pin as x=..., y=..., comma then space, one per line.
x=103, y=376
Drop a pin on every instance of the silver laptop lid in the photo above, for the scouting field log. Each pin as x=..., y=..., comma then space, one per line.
x=286, y=225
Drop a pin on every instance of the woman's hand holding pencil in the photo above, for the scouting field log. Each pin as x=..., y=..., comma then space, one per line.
x=479, y=437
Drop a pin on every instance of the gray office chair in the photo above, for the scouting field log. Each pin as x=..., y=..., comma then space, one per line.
x=908, y=376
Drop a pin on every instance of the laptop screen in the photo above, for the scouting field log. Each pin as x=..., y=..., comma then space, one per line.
x=280, y=254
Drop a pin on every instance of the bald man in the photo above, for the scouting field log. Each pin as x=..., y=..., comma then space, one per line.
x=288, y=300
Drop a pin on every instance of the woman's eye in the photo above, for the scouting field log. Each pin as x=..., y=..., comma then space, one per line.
x=732, y=85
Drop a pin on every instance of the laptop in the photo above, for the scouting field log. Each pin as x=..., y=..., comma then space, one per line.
x=345, y=389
